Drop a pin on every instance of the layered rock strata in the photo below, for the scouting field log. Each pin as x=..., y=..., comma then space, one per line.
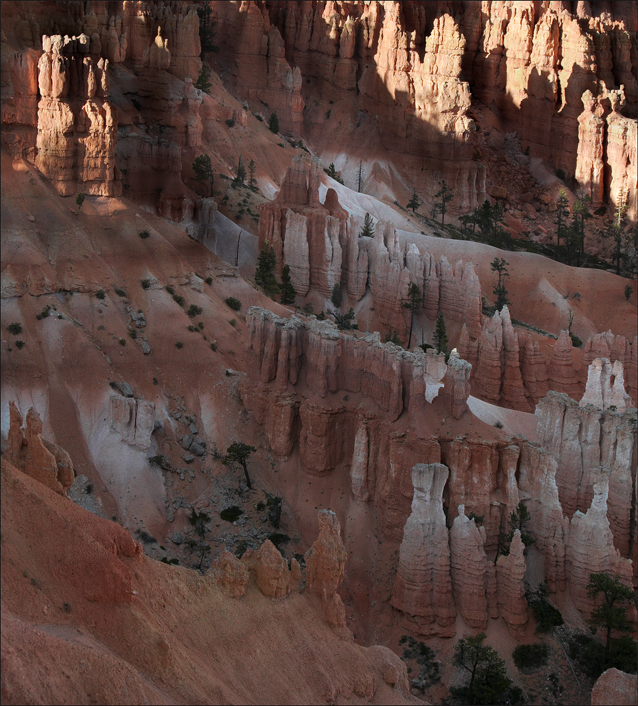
x=76, y=123
x=423, y=587
x=510, y=572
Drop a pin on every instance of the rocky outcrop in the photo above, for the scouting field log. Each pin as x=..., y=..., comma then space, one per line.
x=133, y=419
x=615, y=688
x=20, y=110
x=76, y=123
x=589, y=443
x=468, y=567
x=561, y=369
x=599, y=391
x=590, y=549
x=43, y=460
x=422, y=587
x=230, y=574
x=325, y=568
x=274, y=578
x=510, y=572
x=456, y=385
x=359, y=466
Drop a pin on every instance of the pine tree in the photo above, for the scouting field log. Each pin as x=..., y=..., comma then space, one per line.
x=239, y=453
x=273, y=123
x=241, y=174
x=203, y=168
x=79, y=200
x=414, y=202
x=336, y=296
x=360, y=180
x=608, y=614
x=206, y=27
x=252, y=182
x=580, y=213
x=440, y=335
x=414, y=299
x=562, y=212
x=489, y=683
x=203, y=83
x=499, y=265
x=368, y=227
x=629, y=290
x=394, y=338
x=445, y=195
x=333, y=174
x=265, y=272
x=287, y=294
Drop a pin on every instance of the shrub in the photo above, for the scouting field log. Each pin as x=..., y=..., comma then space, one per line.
x=530, y=656
x=170, y=290
x=179, y=299
x=498, y=424
x=100, y=294
x=200, y=325
x=231, y=514
x=20, y=344
x=193, y=329
x=144, y=234
x=133, y=334
x=208, y=280
x=547, y=617
x=159, y=460
x=273, y=123
x=336, y=296
x=593, y=659
x=122, y=341
x=146, y=283
x=79, y=200
x=230, y=122
x=44, y=313
x=66, y=607
x=89, y=488
x=179, y=345
x=119, y=292
x=213, y=346
x=14, y=328
x=164, y=560
x=233, y=303
x=429, y=673
x=560, y=173
x=576, y=342
x=233, y=322
x=146, y=537
x=193, y=311
x=240, y=548
x=279, y=539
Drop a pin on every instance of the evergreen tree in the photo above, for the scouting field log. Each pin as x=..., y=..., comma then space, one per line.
x=252, y=182
x=239, y=453
x=580, y=213
x=489, y=683
x=440, y=335
x=629, y=290
x=79, y=200
x=368, y=227
x=265, y=272
x=203, y=83
x=489, y=220
x=203, y=168
x=241, y=174
x=360, y=179
x=414, y=202
x=346, y=321
x=273, y=123
x=287, y=294
x=499, y=265
x=394, y=338
x=518, y=520
x=333, y=174
x=562, y=212
x=336, y=296
x=206, y=27
x=616, y=230
x=611, y=614
x=444, y=196
x=414, y=299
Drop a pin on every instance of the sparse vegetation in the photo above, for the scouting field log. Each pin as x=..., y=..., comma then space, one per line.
x=239, y=453
x=208, y=280
x=179, y=345
x=628, y=291
x=415, y=202
x=499, y=265
x=547, y=617
x=367, y=231
x=347, y=321
x=231, y=514
x=120, y=292
x=265, y=272
x=429, y=671
x=14, y=328
x=20, y=345
x=393, y=337
x=333, y=174
x=203, y=168
x=178, y=299
x=279, y=539
x=498, y=424
x=518, y=520
x=100, y=294
x=146, y=283
x=444, y=196
x=230, y=122
x=233, y=303
x=414, y=299
x=79, y=201
x=287, y=293
x=440, y=335
x=44, y=313
x=144, y=234
x=233, y=322
x=530, y=656
x=213, y=346
x=336, y=296
x=193, y=311
x=273, y=123
x=122, y=341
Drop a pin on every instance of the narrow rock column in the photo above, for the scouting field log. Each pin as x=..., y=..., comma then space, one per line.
x=510, y=572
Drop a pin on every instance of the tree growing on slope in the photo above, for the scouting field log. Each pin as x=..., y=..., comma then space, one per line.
x=287, y=293
x=265, y=272
x=414, y=299
x=203, y=168
x=367, y=231
x=444, y=196
x=440, y=334
x=499, y=265
x=414, y=202
x=239, y=453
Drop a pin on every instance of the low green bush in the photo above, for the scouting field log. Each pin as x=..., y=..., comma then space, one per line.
x=193, y=311
x=231, y=514
x=233, y=303
x=530, y=656
x=14, y=328
x=146, y=283
x=100, y=294
x=179, y=345
x=144, y=234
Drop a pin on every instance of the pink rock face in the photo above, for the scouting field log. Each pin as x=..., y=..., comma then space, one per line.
x=510, y=572
x=599, y=391
x=590, y=549
x=489, y=371
x=76, y=123
x=423, y=588
x=359, y=467
x=456, y=385
x=615, y=688
x=325, y=567
x=468, y=565
x=230, y=574
x=271, y=569
x=20, y=111
x=562, y=375
x=28, y=452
